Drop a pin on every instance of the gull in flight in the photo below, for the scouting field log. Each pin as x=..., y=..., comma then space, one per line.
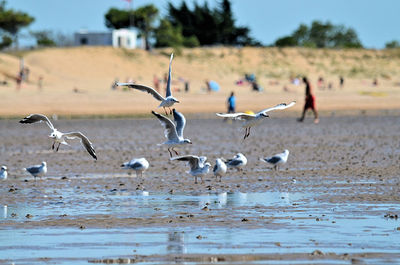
x=173, y=133
x=238, y=161
x=219, y=169
x=3, y=173
x=251, y=120
x=278, y=159
x=198, y=165
x=166, y=102
x=59, y=137
x=37, y=170
x=139, y=165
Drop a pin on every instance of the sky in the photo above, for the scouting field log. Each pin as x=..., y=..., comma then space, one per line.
x=376, y=22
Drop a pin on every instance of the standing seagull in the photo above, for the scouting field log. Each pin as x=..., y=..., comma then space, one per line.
x=219, y=169
x=37, y=170
x=198, y=165
x=239, y=161
x=251, y=120
x=277, y=159
x=137, y=164
x=59, y=137
x=166, y=102
x=173, y=133
x=3, y=173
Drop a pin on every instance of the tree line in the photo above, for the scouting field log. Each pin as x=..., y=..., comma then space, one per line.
x=187, y=27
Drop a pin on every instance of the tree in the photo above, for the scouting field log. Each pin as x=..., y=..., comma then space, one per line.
x=321, y=35
x=143, y=18
x=12, y=22
x=43, y=38
x=392, y=44
x=169, y=36
x=209, y=26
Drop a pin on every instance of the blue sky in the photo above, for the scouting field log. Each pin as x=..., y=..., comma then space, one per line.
x=376, y=22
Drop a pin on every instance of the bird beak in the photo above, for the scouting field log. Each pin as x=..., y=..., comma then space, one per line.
x=122, y=165
x=177, y=101
x=190, y=143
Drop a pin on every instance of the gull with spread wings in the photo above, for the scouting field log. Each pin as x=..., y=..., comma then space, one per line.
x=251, y=120
x=173, y=133
x=59, y=137
x=166, y=102
x=198, y=165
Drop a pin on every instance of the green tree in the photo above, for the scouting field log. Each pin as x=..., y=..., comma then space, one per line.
x=169, y=36
x=43, y=38
x=392, y=44
x=321, y=35
x=12, y=21
x=143, y=18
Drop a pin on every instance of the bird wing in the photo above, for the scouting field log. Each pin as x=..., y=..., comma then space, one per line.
x=180, y=122
x=37, y=118
x=238, y=116
x=215, y=168
x=84, y=140
x=169, y=127
x=144, y=88
x=273, y=160
x=168, y=89
x=234, y=162
x=278, y=107
x=33, y=169
x=194, y=161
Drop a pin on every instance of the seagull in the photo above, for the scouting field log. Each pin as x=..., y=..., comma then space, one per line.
x=277, y=159
x=59, y=137
x=137, y=164
x=37, y=170
x=238, y=161
x=166, y=102
x=219, y=169
x=251, y=120
x=173, y=133
x=198, y=165
x=3, y=173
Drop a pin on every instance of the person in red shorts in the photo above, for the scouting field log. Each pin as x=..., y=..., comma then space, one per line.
x=310, y=102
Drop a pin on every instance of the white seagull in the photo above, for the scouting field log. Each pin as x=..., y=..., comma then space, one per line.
x=59, y=137
x=238, y=161
x=219, y=169
x=278, y=159
x=198, y=165
x=251, y=120
x=166, y=102
x=139, y=165
x=37, y=170
x=3, y=173
x=173, y=133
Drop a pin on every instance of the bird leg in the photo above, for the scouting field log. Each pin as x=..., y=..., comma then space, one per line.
x=58, y=147
x=170, y=154
x=175, y=151
x=52, y=147
x=275, y=167
x=165, y=111
x=195, y=180
x=248, y=134
x=170, y=111
x=245, y=134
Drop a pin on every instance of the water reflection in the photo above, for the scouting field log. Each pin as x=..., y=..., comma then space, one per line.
x=176, y=243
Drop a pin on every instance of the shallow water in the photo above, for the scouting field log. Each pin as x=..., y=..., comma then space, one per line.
x=328, y=227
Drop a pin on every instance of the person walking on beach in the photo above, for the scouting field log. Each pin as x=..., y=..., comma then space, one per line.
x=310, y=102
x=231, y=103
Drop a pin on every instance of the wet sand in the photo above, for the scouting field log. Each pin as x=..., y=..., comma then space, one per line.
x=350, y=164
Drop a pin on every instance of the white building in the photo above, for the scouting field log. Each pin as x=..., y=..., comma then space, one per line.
x=124, y=38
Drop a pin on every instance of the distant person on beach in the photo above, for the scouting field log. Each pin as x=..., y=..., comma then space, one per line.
x=231, y=103
x=341, y=81
x=156, y=83
x=310, y=102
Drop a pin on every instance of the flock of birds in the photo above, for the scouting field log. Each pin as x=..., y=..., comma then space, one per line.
x=173, y=131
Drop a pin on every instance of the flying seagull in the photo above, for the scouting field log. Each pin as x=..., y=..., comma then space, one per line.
x=139, y=165
x=59, y=137
x=219, y=169
x=3, y=173
x=173, y=133
x=278, y=159
x=37, y=170
x=166, y=102
x=251, y=120
x=238, y=161
x=198, y=165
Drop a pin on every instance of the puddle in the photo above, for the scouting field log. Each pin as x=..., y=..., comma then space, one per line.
x=284, y=223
